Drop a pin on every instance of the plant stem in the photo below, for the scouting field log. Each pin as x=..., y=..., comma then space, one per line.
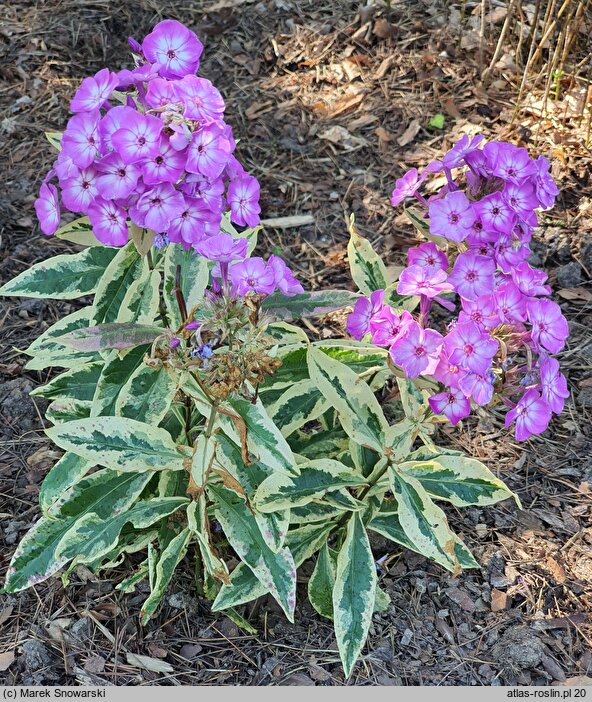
x=161, y=305
x=211, y=420
x=179, y=294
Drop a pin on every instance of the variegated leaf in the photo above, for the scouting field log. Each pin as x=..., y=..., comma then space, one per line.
x=315, y=479
x=116, y=372
x=203, y=455
x=284, y=334
x=119, y=443
x=169, y=559
x=68, y=471
x=366, y=267
x=319, y=443
x=63, y=277
x=298, y=405
x=68, y=410
x=77, y=384
x=244, y=586
x=315, y=511
x=307, y=304
x=457, y=479
x=322, y=581
x=123, y=270
x=195, y=274
x=358, y=409
x=140, y=303
x=79, y=232
x=110, y=336
x=148, y=394
x=142, y=238
x=55, y=139
x=276, y=571
x=213, y=564
x=423, y=522
x=103, y=493
x=354, y=593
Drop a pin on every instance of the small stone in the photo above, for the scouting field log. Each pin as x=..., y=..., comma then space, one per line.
x=569, y=275
x=585, y=397
x=80, y=630
x=407, y=637
x=299, y=680
x=181, y=600
x=95, y=664
x=190, y=651
x=461, y=598
x=519, y=649
x=318, y=673
x=36, y=655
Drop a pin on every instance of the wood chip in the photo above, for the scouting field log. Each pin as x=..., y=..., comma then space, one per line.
x=410, y=133
x=288, y=222
x=6, y=660
x=147, y=663
x=499, y=600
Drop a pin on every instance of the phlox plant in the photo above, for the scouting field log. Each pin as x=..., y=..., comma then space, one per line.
x=196, y=417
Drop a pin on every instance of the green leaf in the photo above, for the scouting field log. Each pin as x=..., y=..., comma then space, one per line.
x=110, y=336
x=264, y=439
x=103, y=493
x=308, y=304
x=123, y=270
x=197, y=520
x=195, y=275
x=315, y=512
x=203, y=454
x=283, y=333
x=367, y=268
x=298, y=405
x=170, y=558
x=140, y=303
x=68, y=410
x=55, y=139
x=116, y=372
x=437, y=121
x=76, y=384
x=69, y=470
x=119, y=443
x=244, y=586
x=63, y=277
x=322, y=581
x=459, y=480
x=358, y=409
x=320, y=443
x=79, y=232
x=354, y=593
x=315, y=479
x=148, y=394
x=93, y=536
x=276, y=571
x=423, y=522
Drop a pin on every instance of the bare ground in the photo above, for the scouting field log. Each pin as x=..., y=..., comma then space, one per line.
x=330, y=107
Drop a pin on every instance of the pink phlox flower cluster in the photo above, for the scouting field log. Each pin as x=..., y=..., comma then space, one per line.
x=498, y=345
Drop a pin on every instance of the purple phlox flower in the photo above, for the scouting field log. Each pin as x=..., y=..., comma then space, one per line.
x=141, y=74
x=452, y=404
x=479, y=386
x=549, y=326
x=510, y=252
x=387, y=326
x=478, y=234
x=201, y=99
x=465, y=145
x=479, y=164
x=530, y=280
x=108, y=221
x=47, y=208
x=451, y=216
x=94, y=91
x=164, y=166
x=208, y=152
x=358, y=321
x=210, y=191
x=234, y=169
x=421, y=280
x=285, y=280
x=495, y=213
x=428, y=255
x=447, y=373
x=553, y=384
x=545, y=188
x=79, y=192
x=521, y=198
x=81, y=140
x=252, y=276
x=161, y=92
x=470, y=347
x=482, y=310
x=222, y=248
x=510, y=303
x=193, y=222
x=139, y=136
x=243, y=199
x=175, y=342
x=192, y=325
x=117, y=179
x=135, y=46
x=532, y=415
x=157, y=207
x=417, y=351
x=484, y=249
x=407, y=186
x=64, y=167
x=174, y=47
x=181, y=136
x=110, y=123
x=508, y=161
x=472, y=275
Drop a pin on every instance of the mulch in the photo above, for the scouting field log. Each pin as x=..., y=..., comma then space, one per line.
x=330, y=105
